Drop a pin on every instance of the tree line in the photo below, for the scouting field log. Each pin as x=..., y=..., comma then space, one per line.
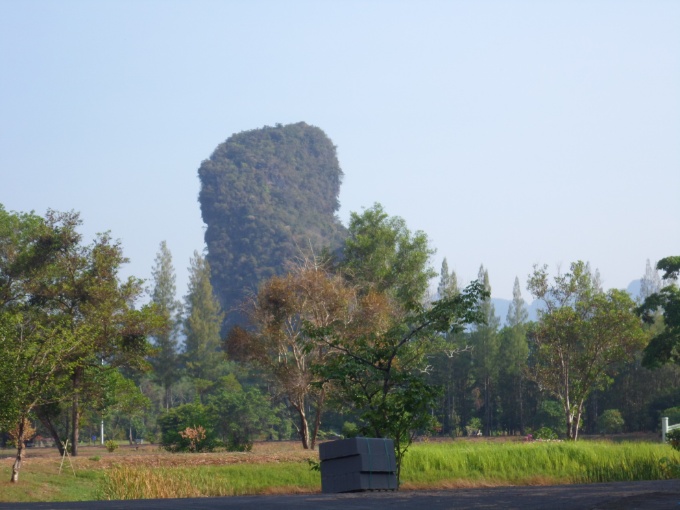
x=339, y=343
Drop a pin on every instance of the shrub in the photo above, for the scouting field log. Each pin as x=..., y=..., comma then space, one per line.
x=610, y=422
x=350, y=429
x=242, y=416
x=111, y=445
x=545, y=433
x=673, y=439
x=473, y=427
x=194, y=435
x=174, y=425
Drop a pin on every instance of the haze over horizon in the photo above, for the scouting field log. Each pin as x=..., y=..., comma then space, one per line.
x=512, y=133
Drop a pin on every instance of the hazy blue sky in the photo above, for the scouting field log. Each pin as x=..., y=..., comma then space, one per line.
x=512, y=132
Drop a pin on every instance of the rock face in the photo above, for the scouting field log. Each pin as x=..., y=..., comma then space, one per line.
x=267, y=196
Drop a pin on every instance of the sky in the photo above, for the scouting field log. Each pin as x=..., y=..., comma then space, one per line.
x=513, y=133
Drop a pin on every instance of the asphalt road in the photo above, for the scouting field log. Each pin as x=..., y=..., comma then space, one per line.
x=652, y=495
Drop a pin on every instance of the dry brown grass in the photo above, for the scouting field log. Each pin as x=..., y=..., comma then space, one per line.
x=40, y=479
x=153, y=456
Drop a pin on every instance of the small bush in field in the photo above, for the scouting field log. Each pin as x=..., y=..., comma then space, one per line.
x=673, y=439
x=545, y=433
x=350, y=429
x=194, y=435
x=610, y=422
x=111, y=446
x=474, y=427
x=179, y=428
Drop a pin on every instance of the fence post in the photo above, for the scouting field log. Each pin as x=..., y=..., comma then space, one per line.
x=664, y=428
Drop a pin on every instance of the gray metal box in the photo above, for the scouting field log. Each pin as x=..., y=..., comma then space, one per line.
x=354, y=482
x=356, y=446
x=375, y=463
x=358, y=464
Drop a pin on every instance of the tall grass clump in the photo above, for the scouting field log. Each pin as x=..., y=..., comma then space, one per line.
x=532, y=463
x=128, y=482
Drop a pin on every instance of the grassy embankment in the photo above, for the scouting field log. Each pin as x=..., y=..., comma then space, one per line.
x=282, y=468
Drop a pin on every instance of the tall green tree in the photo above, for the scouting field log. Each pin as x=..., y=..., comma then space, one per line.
x=34, y=344
x=379, y=364
x=382, y=254
x=448, y=282
x=125, y=400
x=518, y=314
x=650, y=283
x=83, y=289
x=485, y=343
x=581, y=337
x=443, y=359
x=515, y=350
x=66, y=317
x=165, y=361
x=379, y=369
x=203, y=354
x=665, y=346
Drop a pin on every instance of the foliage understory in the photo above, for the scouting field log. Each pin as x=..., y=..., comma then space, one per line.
x=281, y=471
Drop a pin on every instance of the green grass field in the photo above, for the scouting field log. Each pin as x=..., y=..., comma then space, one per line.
x=277, y=468
x=536, y=463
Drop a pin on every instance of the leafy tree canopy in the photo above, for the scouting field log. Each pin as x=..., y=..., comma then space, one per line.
x=665, y=346
x=381, y=254
x=580, y=337
x=380, y=364
x=279, y=344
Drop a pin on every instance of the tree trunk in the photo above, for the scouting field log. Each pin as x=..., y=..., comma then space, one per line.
x=75, y=414
x=49, y=426
x=577, y=421
x=520, y=401
x=487, y=406
x=75, y=436
x=20, y=451
x=573, y=422
x=450, y=409
x=463, y=404
x=168, y=396
x=304, y=425
x=317, y=417
x=570, y=419
x=592, y=421
x=447, y=427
